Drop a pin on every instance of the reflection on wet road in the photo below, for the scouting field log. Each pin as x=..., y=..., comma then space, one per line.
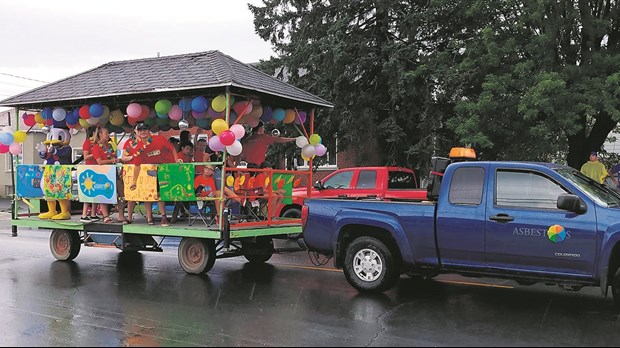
x=109, y=298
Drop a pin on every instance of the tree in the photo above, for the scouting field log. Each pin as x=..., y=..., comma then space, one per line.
x=516, y=79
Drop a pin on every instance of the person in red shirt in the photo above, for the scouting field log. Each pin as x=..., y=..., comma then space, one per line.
x=255, y=145
x=152, y=149
x=87, y=151
x=186, y=153
x=104, y=153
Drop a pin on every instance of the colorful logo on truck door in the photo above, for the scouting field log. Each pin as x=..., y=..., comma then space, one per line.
x=556, y=233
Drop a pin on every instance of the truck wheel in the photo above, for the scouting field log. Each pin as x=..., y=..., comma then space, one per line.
x=292, y=213
x=65, y=244
x=615, y=288
x=196, y=255
x=259, y=252
x=369, y=265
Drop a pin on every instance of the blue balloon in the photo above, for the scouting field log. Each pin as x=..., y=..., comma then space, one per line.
x=267, y=114
x=72, y=117
x=46, y=113
x=185, y=104
x=199, y=104
x=278, y=114
x=6, y=138
x=96, y=110
x=162, y=115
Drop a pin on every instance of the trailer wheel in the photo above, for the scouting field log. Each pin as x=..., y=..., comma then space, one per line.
x=259, y=251
x=196, y=255
x=65, y=244
x=292, y=213
x=369, y=265
x=615, y=288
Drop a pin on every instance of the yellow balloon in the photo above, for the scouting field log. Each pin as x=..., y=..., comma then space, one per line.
x=230, y=180
x=289, y=116
x=19, y=136
x=84, y=123
x=117, y=118
x=38, y=118
x=218, y=104
x=218, y=126
x=106, y=112
x=304, y=158
x=315, y=139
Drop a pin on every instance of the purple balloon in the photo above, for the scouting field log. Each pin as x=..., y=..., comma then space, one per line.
x=267, y=113
x=302, y=116
x=320, y=149
x=215, y=144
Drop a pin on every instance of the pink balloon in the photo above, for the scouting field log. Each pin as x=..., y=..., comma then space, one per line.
x=134, y=110
x=227, y=138
x=320, y=149
x=238, y=130
x=15, y=148
x=4, y=148
x=175, y=113
x=214, y=143
x=240, y=106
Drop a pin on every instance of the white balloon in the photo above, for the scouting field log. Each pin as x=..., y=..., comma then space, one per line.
x=308, y=151
x=301, y=141
x=234, y=149
x=59, y=114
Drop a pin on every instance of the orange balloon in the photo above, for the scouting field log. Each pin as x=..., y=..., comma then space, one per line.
x=289, y=116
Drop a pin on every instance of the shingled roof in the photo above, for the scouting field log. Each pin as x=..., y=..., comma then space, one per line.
x=153, y=78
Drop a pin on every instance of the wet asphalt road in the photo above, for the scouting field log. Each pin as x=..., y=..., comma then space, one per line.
x=109, y=298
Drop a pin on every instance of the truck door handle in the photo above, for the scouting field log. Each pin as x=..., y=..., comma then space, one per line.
x=502, y=218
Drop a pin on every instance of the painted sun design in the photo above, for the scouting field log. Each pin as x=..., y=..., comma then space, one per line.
x=88, y=185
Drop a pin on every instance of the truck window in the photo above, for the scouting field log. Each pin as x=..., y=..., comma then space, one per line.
x=340, y=180
x=466, y=186
x=401, y=180
x=367, y=179
x=526, y=190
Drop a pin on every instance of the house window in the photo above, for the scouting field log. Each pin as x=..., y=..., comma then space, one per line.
x=9, y=158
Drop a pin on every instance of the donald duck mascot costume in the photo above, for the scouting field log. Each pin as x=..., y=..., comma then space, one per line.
x=56, y=150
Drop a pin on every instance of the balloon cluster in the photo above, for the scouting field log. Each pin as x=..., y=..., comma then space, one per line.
x=310, y=147
x=226, y=137
x=10, y=140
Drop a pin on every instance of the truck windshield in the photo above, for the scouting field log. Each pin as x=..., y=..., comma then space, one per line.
x=599, y=193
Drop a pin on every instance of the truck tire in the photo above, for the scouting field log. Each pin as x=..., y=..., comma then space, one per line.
x=196, y=255
x=369, y=265
x=65, y=244
x=258, y=252
x=615, y=288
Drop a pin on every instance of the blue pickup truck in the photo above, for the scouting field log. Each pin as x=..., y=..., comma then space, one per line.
x=530, y=222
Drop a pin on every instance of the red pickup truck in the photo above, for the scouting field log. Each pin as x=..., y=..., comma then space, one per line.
x=382, y=183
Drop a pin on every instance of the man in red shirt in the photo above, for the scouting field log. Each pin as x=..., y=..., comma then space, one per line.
x=151, y=149
x=255, y=145
x=186, y=153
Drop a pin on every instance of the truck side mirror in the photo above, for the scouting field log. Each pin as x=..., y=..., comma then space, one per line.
x=571, y=203
x=318, y=185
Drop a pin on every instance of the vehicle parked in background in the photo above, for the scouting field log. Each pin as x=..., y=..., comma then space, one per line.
x=381, y=183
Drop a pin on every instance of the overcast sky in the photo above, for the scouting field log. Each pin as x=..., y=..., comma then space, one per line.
x=49, y=40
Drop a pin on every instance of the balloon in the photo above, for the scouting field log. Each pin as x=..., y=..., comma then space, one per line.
x=238, y=130
x=163, y=106
x=72, y=117
x=84, y=112
x=199, y=115
x=134, y=110
x=315, y=139
x=185, y=104
x=96, y=110
x=256, y=113
x=176, y=113
x=320, y=149
x=230, y=180
x=254, y=122
x=203, y=123
x=227, y=137
x=267, y=113
x=47, y=113
x=83, y=123
x=3, y=148
x=117, y=118
x=219, y=103
x=6, y=138
x=159, y=115
x=215, y=144
x=93, y=121
x=308, y=151
x=214, y=114
x=150, y=122
x=301, y=115
x=289, y=116
x=153, y=113
x=19, y=136
x=242, y=106
x=145, y=113
x=162, y=121
x=106, y=111
x=301, y=141
x=219, y=125
x=200, y=104
x=59, y=114
x=15, y=149
x=235, y=149
x=29, y=120
x=278, y=114
x=38, y=118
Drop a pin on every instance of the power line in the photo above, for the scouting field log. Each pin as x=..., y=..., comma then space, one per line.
x=21, y=77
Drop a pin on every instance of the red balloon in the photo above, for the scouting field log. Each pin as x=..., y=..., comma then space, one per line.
x=85, y=112
x=29, y=120
x=4, y=148
x=227, y=138
x=145, y=113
